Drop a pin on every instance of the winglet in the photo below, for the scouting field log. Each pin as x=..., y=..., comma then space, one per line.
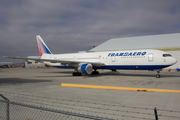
x=42, y=46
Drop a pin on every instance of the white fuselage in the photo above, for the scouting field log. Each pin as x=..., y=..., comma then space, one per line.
x=126, y=59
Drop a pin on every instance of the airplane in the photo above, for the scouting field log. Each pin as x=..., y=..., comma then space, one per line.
x=89, y=62
x=5, y=63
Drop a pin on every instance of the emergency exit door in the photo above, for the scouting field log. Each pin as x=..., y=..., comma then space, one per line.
x=113, y=58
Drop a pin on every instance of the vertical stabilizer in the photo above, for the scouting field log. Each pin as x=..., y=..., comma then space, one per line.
x=42, y=46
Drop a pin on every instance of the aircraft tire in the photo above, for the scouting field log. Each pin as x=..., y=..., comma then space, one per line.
x=74, y=73
x=95, y=73
x=158, y=76
x=77, y=74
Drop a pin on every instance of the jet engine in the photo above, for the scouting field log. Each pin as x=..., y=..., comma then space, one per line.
x=85, y=68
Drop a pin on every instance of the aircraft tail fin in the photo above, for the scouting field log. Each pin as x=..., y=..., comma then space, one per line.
x=42, y=46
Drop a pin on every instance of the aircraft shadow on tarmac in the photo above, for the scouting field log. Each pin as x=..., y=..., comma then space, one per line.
x=136, y=74
x=62, y=72
x=109, y=73
x=20, y=81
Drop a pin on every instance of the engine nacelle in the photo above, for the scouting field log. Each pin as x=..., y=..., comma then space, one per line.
x=85, y=68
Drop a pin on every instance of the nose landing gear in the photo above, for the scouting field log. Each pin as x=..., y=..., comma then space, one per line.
x=158, y=73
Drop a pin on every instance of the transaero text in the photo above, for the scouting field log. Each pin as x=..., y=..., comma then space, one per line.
x=127, y=54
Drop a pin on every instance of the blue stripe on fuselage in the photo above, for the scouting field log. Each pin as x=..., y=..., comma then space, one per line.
x=124, y=67
x=132, y=67
x=65, y=67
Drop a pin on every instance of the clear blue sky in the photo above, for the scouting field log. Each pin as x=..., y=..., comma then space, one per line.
x=77, y=25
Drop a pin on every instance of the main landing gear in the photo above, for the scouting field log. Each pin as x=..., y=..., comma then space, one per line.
x=80, y=74
x=95, y=72
x=76, y=74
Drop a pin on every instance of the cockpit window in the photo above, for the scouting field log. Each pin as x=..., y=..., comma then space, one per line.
x=167, y=55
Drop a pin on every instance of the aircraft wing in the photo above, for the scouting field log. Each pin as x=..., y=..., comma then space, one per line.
x=63, y=62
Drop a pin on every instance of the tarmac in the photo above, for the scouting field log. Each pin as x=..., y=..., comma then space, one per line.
x=58, y=89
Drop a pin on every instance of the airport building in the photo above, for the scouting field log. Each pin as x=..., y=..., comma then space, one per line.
x=166, y=42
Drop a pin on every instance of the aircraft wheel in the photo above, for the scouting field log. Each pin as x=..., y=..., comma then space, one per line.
x=95, y=73
x=158, y=76
x=77, y=74
x=74, y=73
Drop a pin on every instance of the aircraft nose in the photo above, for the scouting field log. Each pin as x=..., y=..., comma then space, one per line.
x=174, y=60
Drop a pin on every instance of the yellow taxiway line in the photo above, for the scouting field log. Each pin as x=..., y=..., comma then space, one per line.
x=118, y=88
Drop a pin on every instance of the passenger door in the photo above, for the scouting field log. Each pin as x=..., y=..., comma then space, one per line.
x=150, y=57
